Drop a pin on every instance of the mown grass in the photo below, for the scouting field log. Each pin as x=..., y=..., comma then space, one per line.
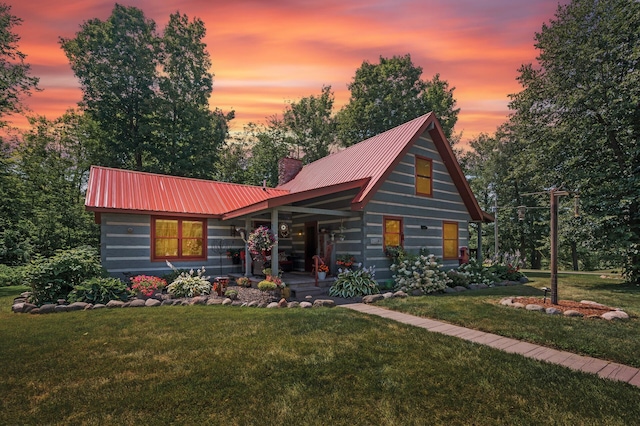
x=248, y=366
x=615, y=341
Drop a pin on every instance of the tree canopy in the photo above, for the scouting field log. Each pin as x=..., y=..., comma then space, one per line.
x=390, y=93
x=576, y=123
x=149, y=93
x=15, y=78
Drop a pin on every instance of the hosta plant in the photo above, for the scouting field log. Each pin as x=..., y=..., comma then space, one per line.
x=189, y=285
x=99, y=290
x=352, y=283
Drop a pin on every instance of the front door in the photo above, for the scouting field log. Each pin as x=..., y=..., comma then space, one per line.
x=310, y=244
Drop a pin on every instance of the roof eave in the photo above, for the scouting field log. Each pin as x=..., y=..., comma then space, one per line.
x=295, y=197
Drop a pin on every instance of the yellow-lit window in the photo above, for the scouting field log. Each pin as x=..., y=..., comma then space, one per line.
x=178, y=239
x=424, y=181
x=392, y=232
x=450, y=240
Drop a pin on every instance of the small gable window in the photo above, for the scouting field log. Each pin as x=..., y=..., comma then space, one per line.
x=392, y=232
x=179, y=239
x=450, y=240
x=424, y=180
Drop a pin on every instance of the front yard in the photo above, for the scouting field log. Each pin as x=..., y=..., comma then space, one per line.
x=223, y=365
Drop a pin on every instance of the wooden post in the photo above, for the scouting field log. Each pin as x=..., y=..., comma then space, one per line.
x=554, y=243
x=554, y=247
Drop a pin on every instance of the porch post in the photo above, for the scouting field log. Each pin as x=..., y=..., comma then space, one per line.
x=274, y=249
x=247, y=254
x=479, y=252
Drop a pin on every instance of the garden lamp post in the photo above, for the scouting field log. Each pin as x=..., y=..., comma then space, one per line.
x=554, y=243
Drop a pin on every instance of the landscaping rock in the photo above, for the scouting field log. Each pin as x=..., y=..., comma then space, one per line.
x=48, y=308
x=517, y=305
x=227, y=301
x=185, y=302
x=615, y=315
x=99, y=306
x=198, y=300
x=449, y=290
x=293, y=304
x=305, y=305
x=238, y=303
x=137, y=303
x=327, y=303
x=473, y=286
x=28, y=307
x=214, y=301
x=34, y=311
x=460, y=288
x=507, y=301
x=262, y=305
x=114, y=304
x=283, y=303
x=500, y=283
x=572, y=313
x=166, y=302
x=553, y=311
x=19, y=300
x=482, y=286
x=417, y=292
x=273, y=305
x=77, y=306
x=524, y=280
x=594, y=304
x=62, y=301
x=370, y=298
x=25, y=294
x=387, y=295
x=253, y=304
x=88, y=307
x=61, y=308
x=17, y=307
x=152, y=303
x=401, y=294
x=533, y=307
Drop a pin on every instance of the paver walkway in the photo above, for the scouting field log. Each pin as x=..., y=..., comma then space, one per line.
x=604, y=369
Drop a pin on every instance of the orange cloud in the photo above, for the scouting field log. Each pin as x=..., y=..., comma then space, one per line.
x=267, y=53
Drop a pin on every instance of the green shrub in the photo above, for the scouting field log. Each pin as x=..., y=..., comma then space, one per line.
x=477, y=273
x=99, y=290
x=420, y=272
x=265, y=285
x=53, y=278
x=458, y=278
x=231, y=294
x=189, y=285
x=11, y=275
x=352, y=283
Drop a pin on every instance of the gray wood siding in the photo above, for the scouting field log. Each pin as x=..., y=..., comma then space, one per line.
x=396, y=197
x=126, y=247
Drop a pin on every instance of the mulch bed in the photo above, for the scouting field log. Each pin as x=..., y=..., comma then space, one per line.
x=586, y=309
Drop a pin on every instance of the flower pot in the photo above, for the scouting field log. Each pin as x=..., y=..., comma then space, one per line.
x=322, y=275
x=286, y=292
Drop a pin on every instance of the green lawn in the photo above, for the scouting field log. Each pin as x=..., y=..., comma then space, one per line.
x=245, y=366
x=615, y=341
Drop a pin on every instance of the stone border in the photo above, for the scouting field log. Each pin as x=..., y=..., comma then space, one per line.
x=21, y=305
x=616, y=314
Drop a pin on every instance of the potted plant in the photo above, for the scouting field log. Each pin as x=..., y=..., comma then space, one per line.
x=243, y=281
x=323, y=270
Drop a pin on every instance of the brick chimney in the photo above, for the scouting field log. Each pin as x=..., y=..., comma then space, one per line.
x=288, y=168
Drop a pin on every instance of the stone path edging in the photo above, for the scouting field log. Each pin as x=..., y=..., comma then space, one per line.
x=586, y=364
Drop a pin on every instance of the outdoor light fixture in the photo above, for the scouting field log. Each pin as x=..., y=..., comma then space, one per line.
x=545, y=289
x=521, y=211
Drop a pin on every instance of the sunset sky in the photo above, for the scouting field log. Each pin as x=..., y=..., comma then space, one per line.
x=265, y=53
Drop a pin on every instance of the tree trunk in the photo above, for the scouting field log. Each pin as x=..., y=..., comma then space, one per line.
x=574, y=255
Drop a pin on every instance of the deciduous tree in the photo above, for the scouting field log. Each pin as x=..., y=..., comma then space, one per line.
x=390, y=93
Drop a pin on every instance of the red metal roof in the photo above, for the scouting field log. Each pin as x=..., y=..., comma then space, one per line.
x=115, y=189
x=371, y=158
x=376, y=157
x=365, y=165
